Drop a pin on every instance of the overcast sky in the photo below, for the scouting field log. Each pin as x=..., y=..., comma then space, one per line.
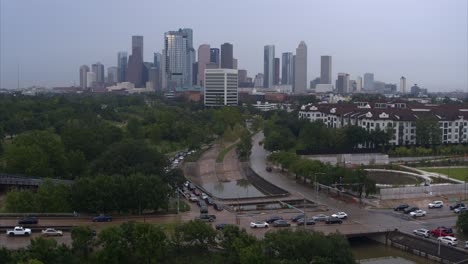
x=424, y=40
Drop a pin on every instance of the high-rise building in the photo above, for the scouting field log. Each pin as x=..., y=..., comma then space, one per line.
x=112, y=73
x=314, y=83
x=234, y=63
x=268, y=66
x=153, y=78
x=178, y=58
x=221, y=87
x=203, y=60
x=258, y=81
x=214, y=56
x=359, y=84
x=195, y=73
x=326, y=70
x=90, y=79
x=368, y=81
x=242, y=76
x=342, y=83
x=300, y=69
x=227, y=56
x=276, y=75
x=146, y=71
x=379, y=86
x=157, y=63
x=294, y=71
x=403, y=85
x=122, y=66
x=135, y=62
x=98, y=69
x=287, y=68
x=84, y=69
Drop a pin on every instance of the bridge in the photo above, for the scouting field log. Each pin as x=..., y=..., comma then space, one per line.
x=20, y=180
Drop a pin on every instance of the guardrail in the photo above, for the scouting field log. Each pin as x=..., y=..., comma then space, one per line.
x=12, y=179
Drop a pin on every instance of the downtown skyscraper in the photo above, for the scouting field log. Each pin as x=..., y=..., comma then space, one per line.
x=268, y=66
x=287, y=68
x=325, y=69
x=84, y=69
x=98, y=69
x=368, y=81
x=178, y=58
x=300, y=69
x=227, y=56
x=214, y=56
x=203, y=60
x=135, y=62
x=122, y=66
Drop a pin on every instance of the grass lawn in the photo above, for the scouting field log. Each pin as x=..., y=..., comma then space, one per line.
x=457, y=173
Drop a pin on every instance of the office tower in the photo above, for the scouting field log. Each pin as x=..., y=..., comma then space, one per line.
x=98, y=69
x=342, y=83
x=178, y=56
x=214, y=56
x=379, y=86
x=84, y=69
x=203, y=60
x=242, y=76
x=135, y=62
x=268, y=65
x=300, y=74
x=368, y=81
x=195, y=73
x=162, y=72
x=112, y=73
x=221, y=87
x=403, y=85
x=326, y=70
x=122, y=66
x=90, y=79
x=314, y=83
x=352, y=84
x=227, y=56
x=258, y=82
x=359, y=84
x=146, y=70
x=153, y=78
x=157, y=59
x=276, y=75
x=294, y=71
x=287, y=68
x=234, y=63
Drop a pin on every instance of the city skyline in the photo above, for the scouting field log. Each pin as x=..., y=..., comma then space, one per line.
x=426, y=44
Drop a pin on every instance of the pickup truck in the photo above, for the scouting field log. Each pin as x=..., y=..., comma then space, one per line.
x=19, y=231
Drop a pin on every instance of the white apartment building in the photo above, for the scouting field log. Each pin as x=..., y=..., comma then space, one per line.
x=401, y=116
x=221, y=87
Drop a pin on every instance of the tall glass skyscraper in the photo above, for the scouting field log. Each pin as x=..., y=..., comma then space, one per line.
x=287, y=68
x=214, y=56
x=300, y=69
x=268, y=66
x=122, y=66
x=227, y=56
x=325, y=69
x=135, y=62
x=179, y=58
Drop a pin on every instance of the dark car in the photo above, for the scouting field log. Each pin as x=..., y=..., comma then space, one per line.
x=269, y=169
x=272, y=219
x=102, y=218
x=207, y=217
x=297, y=217
x=401, y=207
x=333, y=220
x=201, y=203
x=28, y=221
x=191, y=187
x=410, y=209
x=209, y=201
x=308, y=222
x=221, y=226
x=203, y=209
x=281, y=223
x=218, y=207
x=455, y=206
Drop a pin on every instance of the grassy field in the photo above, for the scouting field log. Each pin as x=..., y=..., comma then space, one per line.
x=457, y=173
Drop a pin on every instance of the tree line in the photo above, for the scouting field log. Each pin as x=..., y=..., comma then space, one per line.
x=191, y=242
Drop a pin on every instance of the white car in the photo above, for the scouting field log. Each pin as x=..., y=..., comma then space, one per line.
x=448, y=240
x=436, y=204
x=193, y=198
x=204, y=196
x=459, y=209
x=340, y=215
x=51, y=232
x=422, y=232
x=257, y=224
x=418, y=213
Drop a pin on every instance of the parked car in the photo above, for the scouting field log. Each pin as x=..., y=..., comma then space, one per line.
x=422, y=232
x=436, y=204
x=259, y=224
x=269, y=169
x=455, y=206
x=410, y=209
x=218, y=207
x=459, y=209
x=204, y=196
x=333, y=220
x=418, y=213
x=51, y=232
x=309, y=221
x=320, y=217
x=196, y=192
x=281, y=223
x=201, y=203
x=191, y=187
x=209, y=201
x=102, y=218
x=340, y=215
x=203, y=209
x=272, y=219
x=206, y=217
x=447, y=229
x=297, y=218
x=221, y=226
x=451, y=241
x=441, y=232
x=401, y=207
x=466, y=245
x=28, y=221
x=193, y=198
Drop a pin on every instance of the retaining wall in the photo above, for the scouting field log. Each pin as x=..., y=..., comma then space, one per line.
x=421, y=191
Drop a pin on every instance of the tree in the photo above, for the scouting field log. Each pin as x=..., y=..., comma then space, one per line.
x=462, y=222
x=233, y=241
x=428, y=131
x=198, y=234
x=20, y=202
x=244, y=148
x=82, y=241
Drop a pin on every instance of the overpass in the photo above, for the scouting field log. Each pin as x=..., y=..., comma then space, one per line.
x=25, y=181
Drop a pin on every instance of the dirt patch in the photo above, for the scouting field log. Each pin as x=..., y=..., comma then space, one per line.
x=420, y=202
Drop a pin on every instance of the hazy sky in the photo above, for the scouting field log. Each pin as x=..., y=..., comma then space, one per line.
x=424, y=40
